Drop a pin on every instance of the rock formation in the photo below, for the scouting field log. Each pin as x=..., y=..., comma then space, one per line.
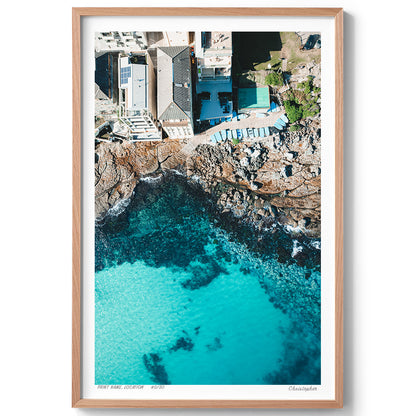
x=277, y=179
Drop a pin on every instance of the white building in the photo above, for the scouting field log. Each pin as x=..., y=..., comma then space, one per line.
x=120, y=41
x=213, y=51
x=176, y=38
x=137, y=99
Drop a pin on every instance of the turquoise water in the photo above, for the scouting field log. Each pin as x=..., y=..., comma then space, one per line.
x=187, y=296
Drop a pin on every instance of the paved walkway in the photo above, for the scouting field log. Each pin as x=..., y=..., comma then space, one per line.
x=251, y=121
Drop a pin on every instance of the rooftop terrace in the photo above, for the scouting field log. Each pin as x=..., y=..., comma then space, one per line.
x=213, y=44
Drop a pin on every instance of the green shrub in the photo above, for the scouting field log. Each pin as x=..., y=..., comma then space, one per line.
x=274, y=78
x=302, y=105
x=235, y=141
x=308, y=112
x=294, y=113
x=295, y=127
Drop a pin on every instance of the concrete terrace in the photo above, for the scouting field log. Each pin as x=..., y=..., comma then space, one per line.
x=211, y=108
x=251, y=121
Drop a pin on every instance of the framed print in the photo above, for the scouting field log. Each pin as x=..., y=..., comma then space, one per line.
x=207, y=207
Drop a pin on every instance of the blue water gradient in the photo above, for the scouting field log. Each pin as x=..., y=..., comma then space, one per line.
x=184, y=295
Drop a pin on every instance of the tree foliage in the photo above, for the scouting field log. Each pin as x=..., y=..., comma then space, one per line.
x=274, y=79
x=303, y=102
x=293, y=111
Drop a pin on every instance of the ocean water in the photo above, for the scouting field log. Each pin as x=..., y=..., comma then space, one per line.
x=185, y=295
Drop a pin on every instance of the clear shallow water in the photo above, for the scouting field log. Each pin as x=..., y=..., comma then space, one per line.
x=185, y=296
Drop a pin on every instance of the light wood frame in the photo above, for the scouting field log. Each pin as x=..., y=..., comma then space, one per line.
x=77, y=400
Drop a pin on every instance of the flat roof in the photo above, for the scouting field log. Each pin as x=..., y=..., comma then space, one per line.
x=253, y=98
x=213, y=43
x=134, y=78
x=140, y=85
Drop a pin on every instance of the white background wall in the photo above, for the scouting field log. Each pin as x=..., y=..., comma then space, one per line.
x=380, y=208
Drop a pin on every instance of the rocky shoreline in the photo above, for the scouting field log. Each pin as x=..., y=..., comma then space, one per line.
x=268, y=182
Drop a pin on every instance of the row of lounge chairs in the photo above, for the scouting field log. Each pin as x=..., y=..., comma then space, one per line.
x=281, y=122
x=233, y=117
x=273, y=108
x=239, y=134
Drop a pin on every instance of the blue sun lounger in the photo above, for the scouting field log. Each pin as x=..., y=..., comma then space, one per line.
x=234, y=134
x=266, y=131
x=218, y=137
x=229, y=135
x=239, y=134
x=223, y=134
x=278, y=126
x=256, y=133
x=284, y=118
x=260, y=115
x=245, y=133
x=261, y=131
x=213, y=139
x=281, y=122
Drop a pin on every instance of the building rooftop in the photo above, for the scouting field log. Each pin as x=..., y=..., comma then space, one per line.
x=119, y=41
x=207, y=43
x=134, y=77
x=174, y=83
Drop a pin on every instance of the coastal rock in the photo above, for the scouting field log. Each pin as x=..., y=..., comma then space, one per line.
x=245, y=161
x=169, y=154
x=117, y=170
x=284, y=170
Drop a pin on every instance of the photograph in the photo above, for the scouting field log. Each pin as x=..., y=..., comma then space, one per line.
x=207, y=208
x=191, y=218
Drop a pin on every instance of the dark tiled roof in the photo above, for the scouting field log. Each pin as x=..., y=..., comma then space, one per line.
x=174, y=90
x=172, y=51
x=173, y=112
